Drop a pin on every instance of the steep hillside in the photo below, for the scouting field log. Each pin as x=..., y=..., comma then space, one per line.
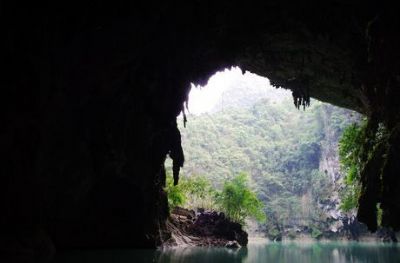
x=290, y=154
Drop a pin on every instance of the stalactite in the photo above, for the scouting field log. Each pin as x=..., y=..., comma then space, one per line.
x=176, y=152
x=301, y=96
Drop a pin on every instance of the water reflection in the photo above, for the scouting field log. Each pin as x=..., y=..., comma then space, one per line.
x=323, y=252
x=194, y=255
x=203, y=255
x=256, y=252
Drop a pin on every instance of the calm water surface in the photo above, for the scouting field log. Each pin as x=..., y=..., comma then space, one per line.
x=255, y=252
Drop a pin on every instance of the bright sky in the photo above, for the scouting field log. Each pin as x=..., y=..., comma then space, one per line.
x=203, y=99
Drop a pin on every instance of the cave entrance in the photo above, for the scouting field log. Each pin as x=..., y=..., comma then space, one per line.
x=239, y=126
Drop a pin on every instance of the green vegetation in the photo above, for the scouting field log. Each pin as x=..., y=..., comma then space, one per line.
x=176, y=193
x=236, y=199
x=316, y=233
x=280, y=148
x=362, y=146
x=349, y=152
x=191, y=192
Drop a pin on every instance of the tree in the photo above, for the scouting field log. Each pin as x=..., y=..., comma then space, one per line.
x=277, y=145
x=356, y=147
x=238, y=201
x=176, y=193
x=349, y=152
x=192, y=192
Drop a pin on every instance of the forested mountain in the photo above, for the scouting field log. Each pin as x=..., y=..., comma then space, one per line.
x=290, y=155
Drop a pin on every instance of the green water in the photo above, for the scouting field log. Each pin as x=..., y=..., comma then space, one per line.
x=255, y=252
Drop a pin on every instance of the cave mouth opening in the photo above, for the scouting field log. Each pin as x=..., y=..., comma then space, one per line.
x=239, y=126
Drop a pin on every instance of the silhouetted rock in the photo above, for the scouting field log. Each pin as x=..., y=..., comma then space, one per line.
x=212, y=223
x=209, y=228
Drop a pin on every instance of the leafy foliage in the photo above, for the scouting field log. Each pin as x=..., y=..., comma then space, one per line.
x=278, y=146
x=350, y=148
x=360, y=143
x=176, y=193
x=238, y=201
x=191, y=192
x=315, y=233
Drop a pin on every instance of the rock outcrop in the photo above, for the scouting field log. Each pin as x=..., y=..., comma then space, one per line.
x=206, y=228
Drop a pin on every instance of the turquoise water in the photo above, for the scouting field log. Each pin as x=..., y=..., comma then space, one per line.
x=335, y=252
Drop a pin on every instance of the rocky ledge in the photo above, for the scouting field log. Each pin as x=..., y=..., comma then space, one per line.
x=203, y=228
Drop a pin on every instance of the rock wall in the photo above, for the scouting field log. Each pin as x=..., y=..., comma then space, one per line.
x=203, y=228
x=90, y=95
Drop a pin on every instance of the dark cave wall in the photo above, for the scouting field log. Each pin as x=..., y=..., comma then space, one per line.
x=91, y=95
x=90, y=116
